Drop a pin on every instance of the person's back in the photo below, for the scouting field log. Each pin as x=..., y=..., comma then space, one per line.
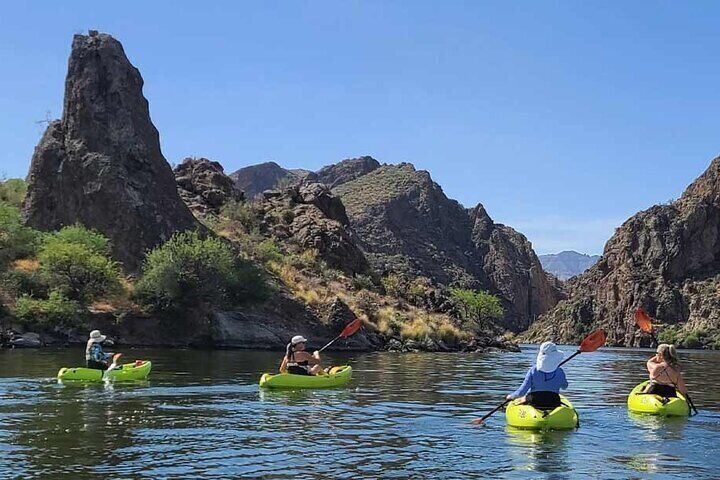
x=665, y=372
x=544, y=380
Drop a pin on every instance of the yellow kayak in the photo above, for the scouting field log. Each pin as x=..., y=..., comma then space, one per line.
x=138, y=370
x=335, y=377
x=651, y=404
x=528, y=417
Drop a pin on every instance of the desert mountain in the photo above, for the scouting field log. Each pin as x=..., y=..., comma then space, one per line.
x=405, y=224
x=255, y=179
x=346, y=171
x=567, y=264
x=101, y=164
x=665, y=259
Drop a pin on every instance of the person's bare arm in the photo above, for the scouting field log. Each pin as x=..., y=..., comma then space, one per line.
x=652, y=365
x=283, y=365
x=681, y=385
x=311, y=359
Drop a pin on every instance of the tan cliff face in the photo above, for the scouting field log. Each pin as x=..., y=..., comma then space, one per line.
x=101, y=164
x=665, y=259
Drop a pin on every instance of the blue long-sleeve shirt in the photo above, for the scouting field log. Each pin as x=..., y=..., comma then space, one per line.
x=537, y=381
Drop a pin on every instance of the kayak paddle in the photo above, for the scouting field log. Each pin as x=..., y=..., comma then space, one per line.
x=643, y=320
x=349, y=329
x=113, y=366
x=592, y=342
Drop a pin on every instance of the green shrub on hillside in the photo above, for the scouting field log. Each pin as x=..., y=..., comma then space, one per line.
x=477, y=308
x=21, y=282
x=188, y=270
x=55, y=310
x=683, y=337
x=75, y=267
x=12, y=191
x=243, y=214
x=16, y=240
x=79, y=235
x=268, y=251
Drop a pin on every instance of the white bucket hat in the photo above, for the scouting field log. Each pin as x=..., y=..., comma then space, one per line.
x=549, y=357
x=96, y=336
x=296, y=339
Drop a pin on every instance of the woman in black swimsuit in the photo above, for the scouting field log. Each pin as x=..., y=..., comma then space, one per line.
x=299, y=362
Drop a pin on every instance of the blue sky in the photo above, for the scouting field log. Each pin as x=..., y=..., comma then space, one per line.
x=562, y=118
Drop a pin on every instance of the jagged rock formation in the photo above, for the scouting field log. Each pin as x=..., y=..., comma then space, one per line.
x=255, y=179
x=346, y=170
x=203, y=185
x=665, y=259
x=407, y=224
x=567, y=264
x=311, y=217
x=101, y=164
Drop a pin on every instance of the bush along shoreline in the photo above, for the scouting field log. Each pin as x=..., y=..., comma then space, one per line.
x=231, y=287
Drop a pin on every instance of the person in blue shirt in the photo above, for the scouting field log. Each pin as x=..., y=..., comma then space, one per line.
x=95, y=357
x=543, y=382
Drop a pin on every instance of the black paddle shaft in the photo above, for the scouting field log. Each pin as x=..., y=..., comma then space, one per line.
x=569, y=358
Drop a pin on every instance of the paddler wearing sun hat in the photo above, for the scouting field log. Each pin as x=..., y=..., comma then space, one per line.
x=544, y=379
x=95, y=357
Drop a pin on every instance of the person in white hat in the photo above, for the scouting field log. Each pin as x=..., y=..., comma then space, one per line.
x=95, y=357
x=544, y=380
x=299, y=362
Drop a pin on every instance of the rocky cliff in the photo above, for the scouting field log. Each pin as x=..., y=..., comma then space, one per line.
x=665, y=259
x=101, y=164
x=406, y=223
x=346, y=171
x=255, y=179
x=312, y=218
x=567, y=264
x=203, y=185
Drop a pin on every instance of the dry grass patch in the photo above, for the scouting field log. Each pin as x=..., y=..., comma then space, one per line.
x=26, y=265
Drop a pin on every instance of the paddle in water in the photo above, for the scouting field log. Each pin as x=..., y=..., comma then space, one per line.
x=350, y=329
x=592, y=342
x=113, y=365
x=643, y=320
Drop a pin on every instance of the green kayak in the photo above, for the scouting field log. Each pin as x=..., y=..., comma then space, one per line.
x=138, y=370
x=336, y=377
x=527, y=417
x=639, y=402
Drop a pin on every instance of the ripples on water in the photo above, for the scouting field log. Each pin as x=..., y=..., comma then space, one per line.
x=201, y=414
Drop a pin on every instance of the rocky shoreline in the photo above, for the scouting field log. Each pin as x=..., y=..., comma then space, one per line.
x=225, y=330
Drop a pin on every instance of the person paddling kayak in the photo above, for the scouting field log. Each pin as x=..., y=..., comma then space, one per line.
x=544, y=380
x=95, y=357
x=299, y=362
x=665, y=375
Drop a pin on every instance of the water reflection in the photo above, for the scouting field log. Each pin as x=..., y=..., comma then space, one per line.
x=201, y=414
x=544, y=452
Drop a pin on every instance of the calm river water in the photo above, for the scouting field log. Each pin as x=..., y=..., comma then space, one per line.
x=202, y=415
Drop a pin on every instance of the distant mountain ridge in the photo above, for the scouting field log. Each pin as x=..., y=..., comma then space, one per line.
x=568, y=263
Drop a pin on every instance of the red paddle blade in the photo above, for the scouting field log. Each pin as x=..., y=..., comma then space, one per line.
x=351, y=328
x=593, y=341
x=642, y=320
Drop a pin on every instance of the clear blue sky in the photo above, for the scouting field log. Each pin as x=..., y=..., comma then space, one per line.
x=562, y=118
